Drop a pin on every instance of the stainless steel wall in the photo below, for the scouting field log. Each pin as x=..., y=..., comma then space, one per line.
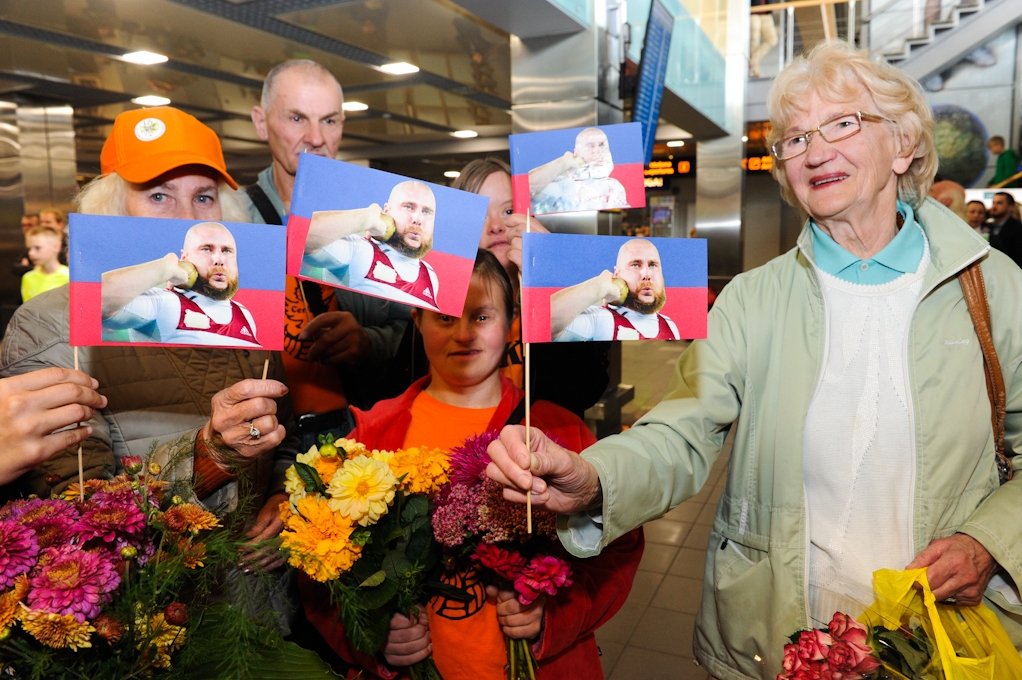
x=719, y=180
x=37, y=170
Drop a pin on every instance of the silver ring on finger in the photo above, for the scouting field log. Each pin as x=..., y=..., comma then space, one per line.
x=952, y=600
x=253, y=431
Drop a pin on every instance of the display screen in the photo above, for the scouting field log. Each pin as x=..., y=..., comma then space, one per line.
x=649, y=91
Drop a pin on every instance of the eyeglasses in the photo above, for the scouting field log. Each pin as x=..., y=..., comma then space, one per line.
x=833, y=130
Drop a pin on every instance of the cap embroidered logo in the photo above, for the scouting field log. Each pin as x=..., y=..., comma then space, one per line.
x=149, y=129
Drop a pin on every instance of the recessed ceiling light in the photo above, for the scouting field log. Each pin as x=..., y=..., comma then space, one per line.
x=451, y=174
x=464, y=134
x=143, y=57
x=745, y=138
x=354, y=106
x=151, y=100
x=676, y=143
x=399, y=68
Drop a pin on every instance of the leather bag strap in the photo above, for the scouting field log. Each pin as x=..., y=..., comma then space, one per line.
x=974, y=290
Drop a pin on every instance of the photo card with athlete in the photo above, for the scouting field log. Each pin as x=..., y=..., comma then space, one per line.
x=581, y=287
x=576, y=169
x=147, y=281
x=383, y=235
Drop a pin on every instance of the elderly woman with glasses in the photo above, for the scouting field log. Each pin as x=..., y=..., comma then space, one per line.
x=850, y=371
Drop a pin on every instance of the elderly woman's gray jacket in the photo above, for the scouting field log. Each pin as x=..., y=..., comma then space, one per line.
x=758, y=370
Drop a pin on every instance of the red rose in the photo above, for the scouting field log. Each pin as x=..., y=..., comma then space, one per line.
x=844, y=627
x=813, y=645
x=791, y=661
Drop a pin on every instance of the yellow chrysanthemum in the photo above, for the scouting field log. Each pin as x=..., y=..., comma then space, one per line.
x=319, y=540
x=425, y=470
x=188, y=518
x=362, y=489
x=159, y=637
x=59, y=631
x=293, y=484
x=9, y=601
x=350, y=448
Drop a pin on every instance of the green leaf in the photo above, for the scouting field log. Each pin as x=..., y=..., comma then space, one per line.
x=287, y=660
x=396, y=565
x=374, y=580
x=310, y=478
x=376, y=597
x=415, y=506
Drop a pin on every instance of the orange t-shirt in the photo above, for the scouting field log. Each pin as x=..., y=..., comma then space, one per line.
x=467, y=641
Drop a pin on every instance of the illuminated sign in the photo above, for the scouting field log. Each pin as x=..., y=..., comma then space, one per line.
x=667, y=168
x=653, y=182
x=659, y=168
x=758, y=163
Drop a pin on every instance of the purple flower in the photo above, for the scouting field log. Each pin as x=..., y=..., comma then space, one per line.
x=52, y=520
x=469, y=461
x=112, y=518
x=18, y=551
x=73, y=581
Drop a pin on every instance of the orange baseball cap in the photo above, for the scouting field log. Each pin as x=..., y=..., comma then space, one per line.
x=145, y=143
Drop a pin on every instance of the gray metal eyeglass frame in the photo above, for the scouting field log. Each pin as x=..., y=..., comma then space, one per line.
x=778, y=147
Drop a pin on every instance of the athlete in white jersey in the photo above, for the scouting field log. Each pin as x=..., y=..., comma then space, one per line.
x=184, y=300
x=378, y=250
x=624, y=305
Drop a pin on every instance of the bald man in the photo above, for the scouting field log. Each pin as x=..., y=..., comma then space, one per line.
x=951, y=195
x=181, y=299
x=578, y=180
x=378, y=250
x=623, y=305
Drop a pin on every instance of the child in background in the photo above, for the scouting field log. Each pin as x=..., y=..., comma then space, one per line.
x=1007, y=162
x=464, y=395
x=44, y=245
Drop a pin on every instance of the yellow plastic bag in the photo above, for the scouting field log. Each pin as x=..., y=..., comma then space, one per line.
x=970, y=642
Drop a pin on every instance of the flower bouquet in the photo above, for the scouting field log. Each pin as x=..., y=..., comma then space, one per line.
x=848, y=649
x=359, y=521
x=480, y=529
x=96, y=582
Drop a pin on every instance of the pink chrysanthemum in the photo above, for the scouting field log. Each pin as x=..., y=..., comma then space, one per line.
x=544, y=574
x=73, y=581
x=52, y=520
x=469, y=461
x=18, y=551
x=112, y=517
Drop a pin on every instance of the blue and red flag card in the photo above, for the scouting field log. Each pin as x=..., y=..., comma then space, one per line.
x=122, y=268
x=383, y=235
x=578, y=287
x=575, y=169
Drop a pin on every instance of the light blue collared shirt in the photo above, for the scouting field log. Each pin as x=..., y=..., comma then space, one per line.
x=901, y=256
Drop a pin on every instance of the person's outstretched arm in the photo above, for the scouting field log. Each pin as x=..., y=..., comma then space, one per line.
x=121, y=286
x=568, y=303
x=327, y=226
